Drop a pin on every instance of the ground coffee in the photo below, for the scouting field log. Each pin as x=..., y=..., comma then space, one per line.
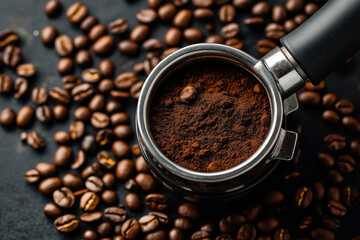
x=210, y=116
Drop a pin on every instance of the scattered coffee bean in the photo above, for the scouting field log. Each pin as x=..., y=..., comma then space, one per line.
x=81, y=42
x=189, y=210
x=344, y=107
x=329, y=100
x=103, y=45
x=294, y=5
x=118, y=26
x=167, y=11
x=83, y=58
x=49, y=185
x=130, y=228
x=8, y=37
x=146, y=15
x=336, y=208
x=303, y=197
x=76, y=12
x=48, y=35
x=261, y=9
x=115, y=214
x=12, y=56
x=34, y=140
x=133, y=202
x=64, y=45
x=66, y=223
x=32, y=176
x=146, y=182
x=8, y=118
x=89, y=201
x=20, y=87
x=264, y=46
x=51, y=210
x=91, y=217
x=334, y=142
x=88, y=23
x=53, y=8
x=63, y=156
x=60, y=112
x=43, y=113
x=247, y=231
x=109, y=197
x=64, y=197
x=82, y=92
x=129, y=48
x=330, y=116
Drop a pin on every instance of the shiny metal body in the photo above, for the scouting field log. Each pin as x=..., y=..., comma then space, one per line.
x=278, y=145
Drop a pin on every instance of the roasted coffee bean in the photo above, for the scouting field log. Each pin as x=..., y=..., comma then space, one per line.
x=242, y=4
x=180, y=3
x=326, y=159
x=6, y=83
x=72, y=181
x=81, y=42
x=63, y=156
x=162, y=217
x=99, y=120
x=96, y=32
x=335, y=177
x=82, y=92
x=130, y=228
x=279, y=13
x=146, y=15
x=129, y=48
x=80, y=160
x=227, y=13
x=334, y=142
x=123, y=132
x=8, y=37
x=125, y=80
x=141, y=165
x=183, y=224
x=198, y=235
x=115, y=214
x=336, y=208
x=153, y=47
x=294, y=5
x=12, y=56
x=49, y=185
x=330, y=116
x=309, y=98
x=65, y=66
x=350, y=196
x=46, y=169
x=106, y=160
x=25, y=116
x=105, y=137
x=66, y=223
x=150, y=64
x=282, y=234
x=32, y=176
x=105, y=229
x=118, y=26
x=148, y=223
x=106, y=68
x=189, y=210
x=120, y=149
x=235, y=43
x=26, y=70
x=97, y=103
x=92, y=170
x=167, y=11
x=182, y=18
x=154, y=3
x=268, y=224
x=275, y=31
x=48, y=35
x=331, y=222
x=303, y=197
x=311, y=87
x=51, y=210
x=133, y=202
x=105, y=85
x=20, y=87
x=103, y=45
x=300, y=19
x=148, y=184
x=319, y=190
x=311, y=8
x=214, y=39
x=158, y=235
x=346, y=163
x=175, y=234
x=344, y=107
x=132, y=186
x=83, y=58
x=246, y=232
x=119, y=118
x=202, y=3
x=306, y=223
x=53, y=8
x=264, y=46
x=236, y=219
x=109, y=180
x=82, y=114
x=43, y=113
x=321, y=233
x=254, y=21
x=64, y=197
x=89, y=201
x=333, y=193
x=207, y=13
x=355, y=148
x=193, y=35
x=64, y=45
x=39, y=95
x=60, y=112
x=91, y=217
x=261, y=9
x=109, y=197
x=8, y=117
x=351, y=124
x=62, y=138
x=70, y=81
x=91, y=75
x=225, y=227
x=34, y=140
x=273, y=197
x=76, y=12
x=94, y=183
x=90, y=234
x=77, y=130
x=88, y=23
x=230, y=30
x=125, y=169
x=88, y=143
x=139, y=33
x=329, y=100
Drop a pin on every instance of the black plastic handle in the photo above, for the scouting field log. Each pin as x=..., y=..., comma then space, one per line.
x=327, y=39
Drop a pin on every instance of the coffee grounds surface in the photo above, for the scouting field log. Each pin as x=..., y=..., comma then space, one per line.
x=210, y=117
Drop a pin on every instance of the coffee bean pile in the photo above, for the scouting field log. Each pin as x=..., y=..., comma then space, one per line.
x=91, y=186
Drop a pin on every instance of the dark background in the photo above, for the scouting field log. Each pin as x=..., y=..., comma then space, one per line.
x=21, y=204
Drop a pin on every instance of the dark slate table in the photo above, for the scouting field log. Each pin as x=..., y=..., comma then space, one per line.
x=21, y=204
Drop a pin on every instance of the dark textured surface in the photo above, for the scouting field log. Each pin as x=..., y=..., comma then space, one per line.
x=21, y=204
